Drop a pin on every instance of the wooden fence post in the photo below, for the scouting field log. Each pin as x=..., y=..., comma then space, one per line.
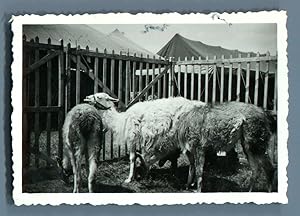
x=238, y=82
x=192, y=80
x=257, y=65
x=266, y=84
x=104, y=70
x=222, y=80
x=179, y=78
x=140, y=75
x=185, y=79
x=214, y=82
x=230, y=80
x=120, y=76
x=206, y=81
x=159, y=82
x=61, y=98
x=199, y=82
x=49, y=96
x=247, y=81
x=37, y=103
x=68, y=80
x=96, y=68
x=78, y=81
x=147, y=76
x=112, y=73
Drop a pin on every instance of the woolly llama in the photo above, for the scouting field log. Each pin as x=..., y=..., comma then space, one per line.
x=82, y=134
x=153, y=124
x=220, y=128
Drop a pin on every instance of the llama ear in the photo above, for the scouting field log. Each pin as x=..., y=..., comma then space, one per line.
x=113, y=99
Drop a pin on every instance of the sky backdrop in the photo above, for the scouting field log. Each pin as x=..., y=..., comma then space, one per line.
x=244, y=37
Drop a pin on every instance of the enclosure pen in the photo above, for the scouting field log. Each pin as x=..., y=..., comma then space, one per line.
x=65, y=75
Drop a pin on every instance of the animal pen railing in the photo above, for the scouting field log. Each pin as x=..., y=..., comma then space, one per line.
x=57, y=77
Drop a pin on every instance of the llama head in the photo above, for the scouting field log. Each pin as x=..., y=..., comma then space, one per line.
x=101, y=100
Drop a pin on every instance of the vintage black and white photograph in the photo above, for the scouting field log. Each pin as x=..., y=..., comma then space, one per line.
x=150, y=109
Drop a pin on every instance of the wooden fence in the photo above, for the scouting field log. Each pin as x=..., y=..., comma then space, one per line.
x=57, y=77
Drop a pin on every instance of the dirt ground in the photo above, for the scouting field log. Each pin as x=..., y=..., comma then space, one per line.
x=110, y=178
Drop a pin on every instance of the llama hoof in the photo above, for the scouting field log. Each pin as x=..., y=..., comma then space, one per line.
x=127, y=180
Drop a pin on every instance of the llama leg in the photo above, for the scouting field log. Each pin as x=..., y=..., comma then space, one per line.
x=92, y=171
x=77, y=174
x=191, y=174
x=132, y=167
x=199, y=160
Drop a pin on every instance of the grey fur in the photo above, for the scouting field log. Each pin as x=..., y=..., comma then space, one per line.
x=82, y=134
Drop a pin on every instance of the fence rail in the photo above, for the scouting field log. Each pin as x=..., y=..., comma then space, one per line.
x=57, y=77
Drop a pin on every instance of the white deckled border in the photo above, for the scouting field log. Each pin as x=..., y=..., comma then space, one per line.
x=20, y=198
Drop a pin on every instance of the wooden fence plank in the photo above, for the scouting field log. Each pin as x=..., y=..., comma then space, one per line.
x=147, y=77
x=185, y=80
x=179, y=78
x=112, y=74
x=266, y=85
x=78, y=81
x=49, y=96
x=247, y=99
x=222, y=82
x=164, y=85
x=37, y=103
x=50, y=55
x=96, y=68
x=206, y=81
x=275, y=93
x=127, y=86
x=230, y=81
x=140, y=76
x=153, y=76
x=227, y=61
x=104, y=70
x=68, y=80
x=171, y=78
x=257, y=65
x=193, y=80
x=199, y=81
x=238, y=81
x=61, y=97
x=120, y=79
x=159, y=82
x=133, y=79
x=214, y=82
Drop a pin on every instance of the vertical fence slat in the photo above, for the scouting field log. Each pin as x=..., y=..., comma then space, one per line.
x=127, y=86
x=37, y=103
x=266, y=84
x=185, y=79
x=238, y=82
x=179, y=78
x=247, y=99
x=49, y=96
x=96, y=68
x=257, y=65
x=165, y=84
x=199, y=81
x=120, y=79
x=214, y=82
x=171, y=78
x=159, y=82
x=61, y=97
x=78, y=77
x=206, y=81
x=230, y=81
x=133, y=79
x=192, y=80
x=112, y=73
x=275, y=93
x=147, y=77
x=140, y=75
x=104, y=70
x=153, y=76
x=68, y=84
x=222, y=81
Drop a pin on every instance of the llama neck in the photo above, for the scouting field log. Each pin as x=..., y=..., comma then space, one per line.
x=112, y=119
